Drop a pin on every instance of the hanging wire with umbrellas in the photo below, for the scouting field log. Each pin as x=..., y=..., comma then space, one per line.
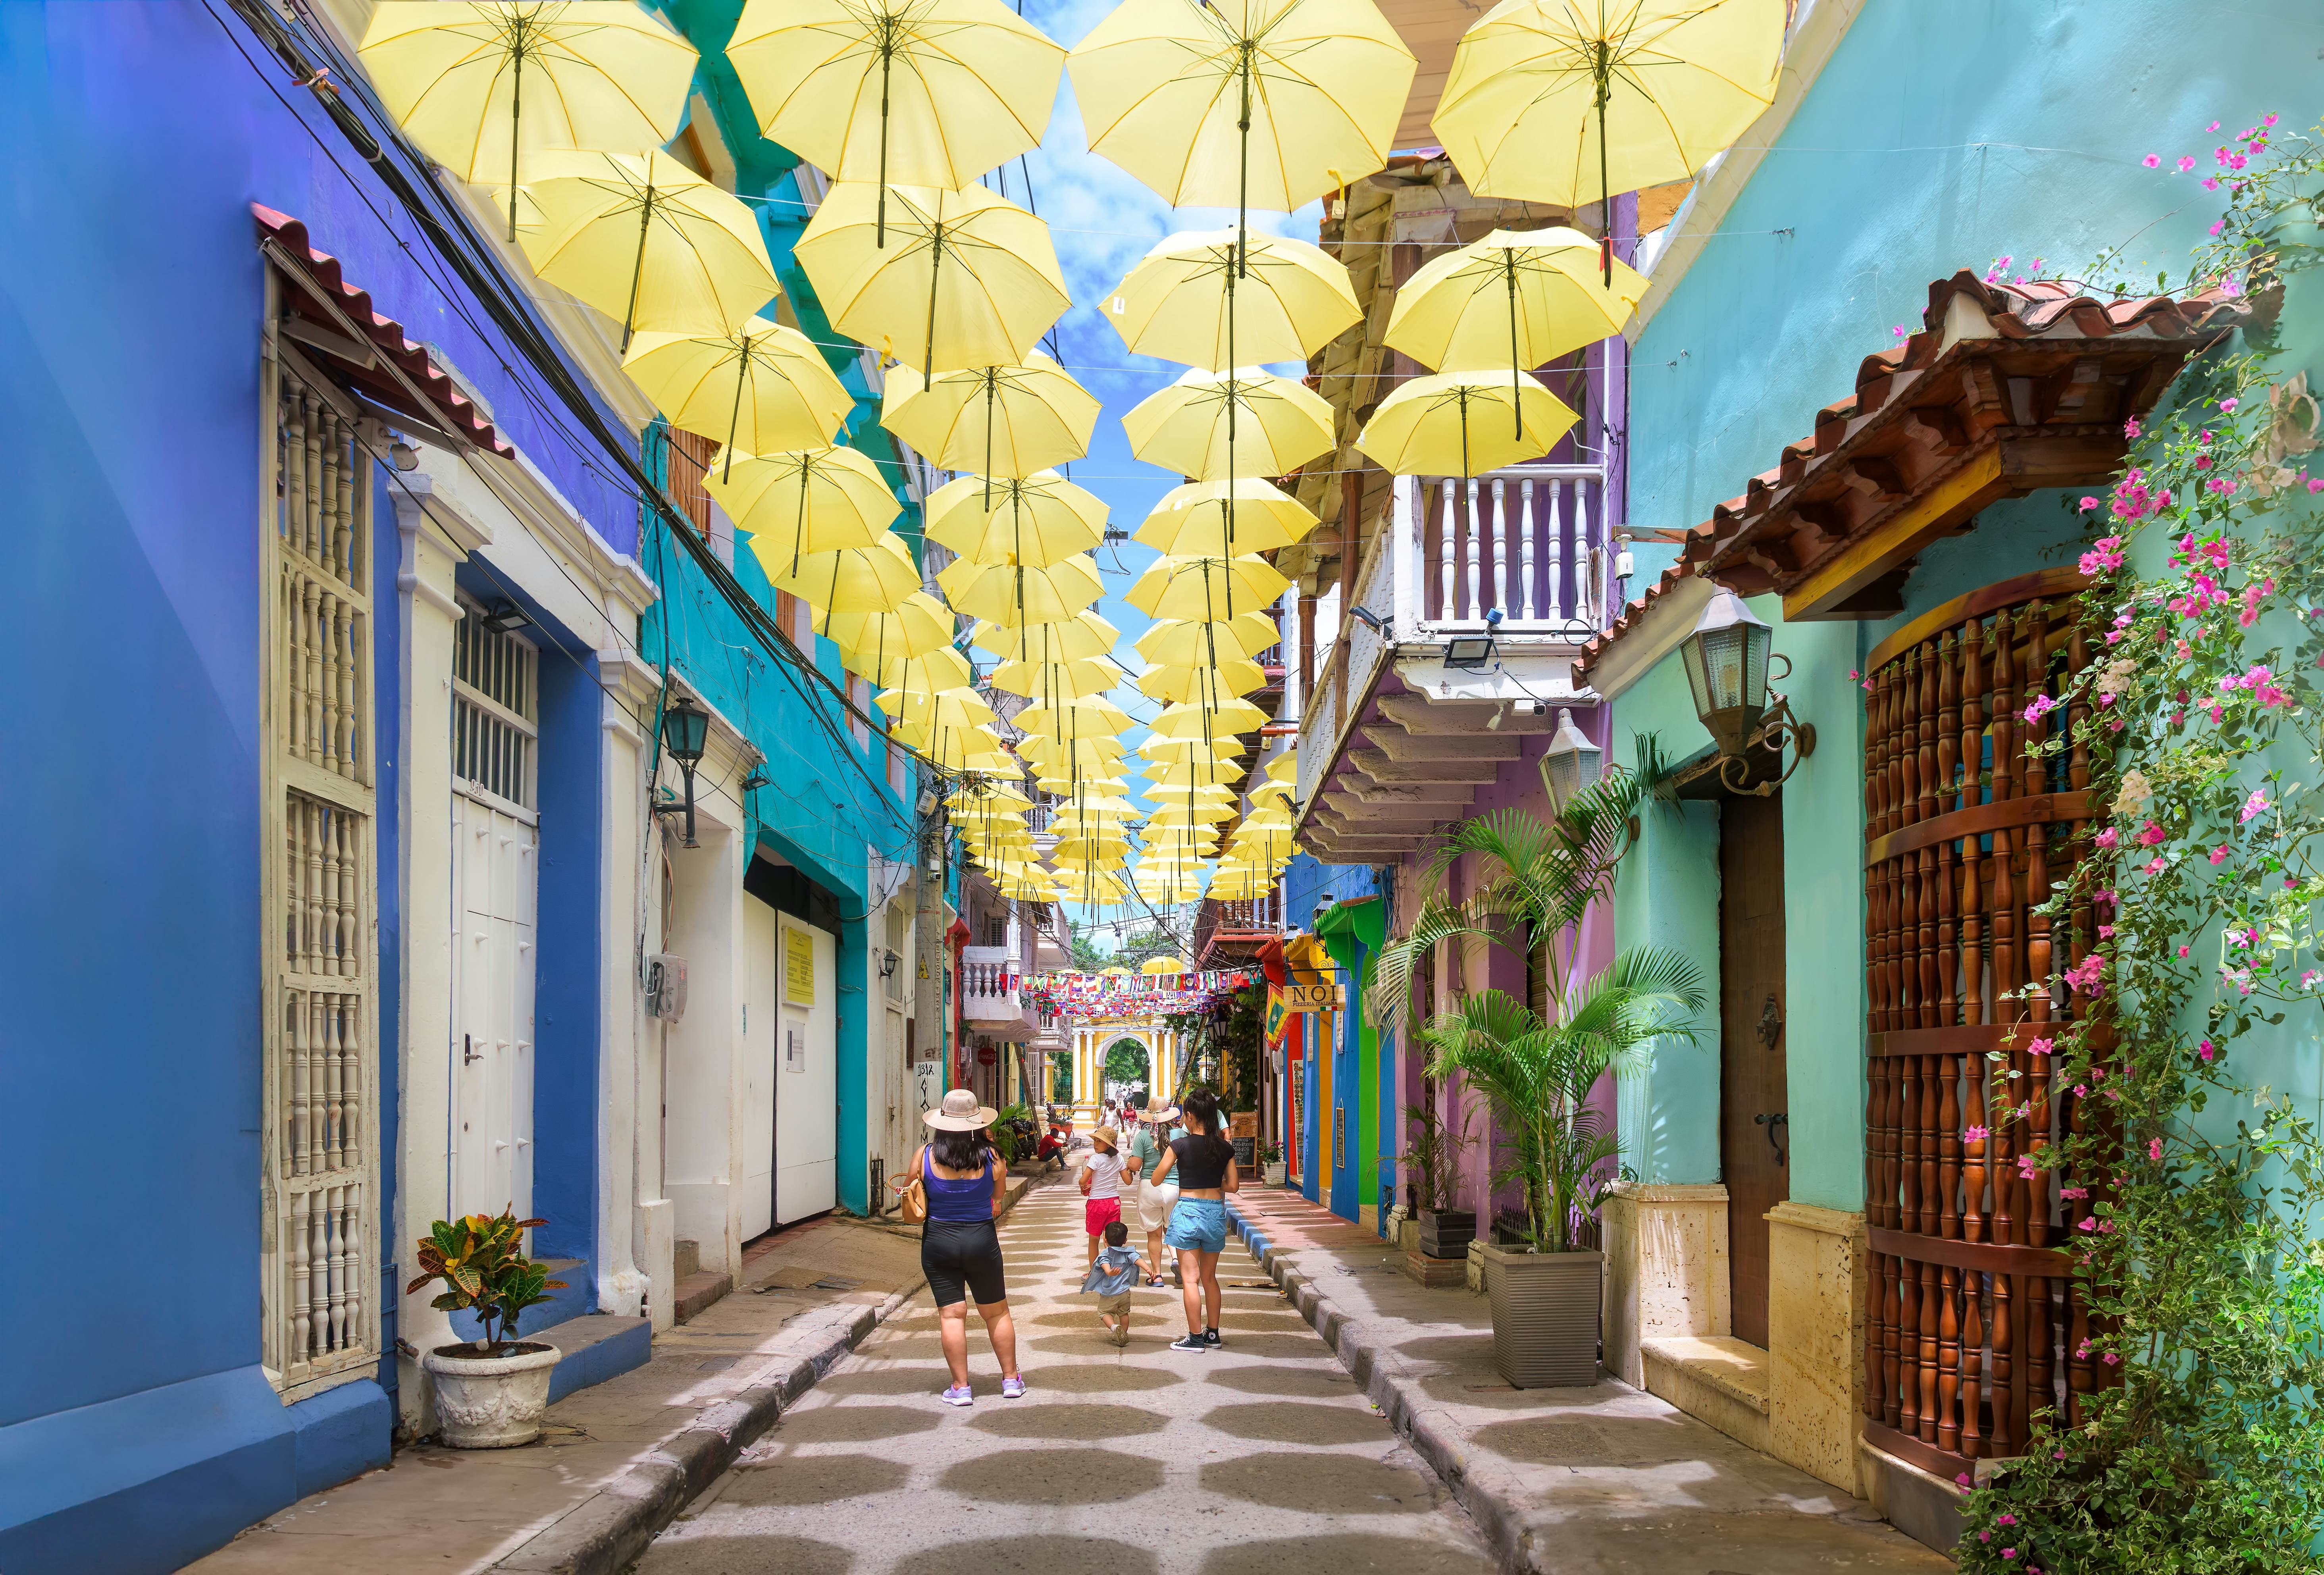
x=804, y=502
x=1555, y=100
x=1217, y=426
x=480, y=85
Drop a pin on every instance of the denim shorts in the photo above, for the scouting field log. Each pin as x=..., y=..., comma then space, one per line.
x=1198, y=1225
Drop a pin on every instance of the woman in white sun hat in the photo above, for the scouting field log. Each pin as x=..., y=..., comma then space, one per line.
x=960, y=1250
x=1154, y=1202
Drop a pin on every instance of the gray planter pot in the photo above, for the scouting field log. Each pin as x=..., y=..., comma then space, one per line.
x=1446, y=1232
x=1546, y=1309
x=491, y=1403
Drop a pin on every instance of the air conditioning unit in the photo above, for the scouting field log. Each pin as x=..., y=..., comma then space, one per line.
x=665, y=987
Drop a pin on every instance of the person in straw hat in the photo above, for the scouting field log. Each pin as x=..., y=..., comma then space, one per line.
x=1102, y=1176
x=960, y=1249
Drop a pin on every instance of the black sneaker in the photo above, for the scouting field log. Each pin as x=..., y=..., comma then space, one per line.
x=1190, y=1342
x=1210, y=1338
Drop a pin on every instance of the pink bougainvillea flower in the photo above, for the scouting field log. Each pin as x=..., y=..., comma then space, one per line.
x=2152, y=866
x=2219, y=854
x=1962, y=1479
x=2087, y=1224
x=2105, y=932
x=2041, y=1046
x=2089, y=503
x=2253, y=806
x=1975, y=1134
x=2182, y=951
x=2186, y=162
x=2316, y=483
x=2108, y=837
x=2212, y=127
x=2154, y=1148
x=2151, y=835
x=2211, y=183
x=2207, y=1050
x=2004, y=1520
x=2217, y=224
x=2130, y=428
x=2228, y=405
x=2152, y=161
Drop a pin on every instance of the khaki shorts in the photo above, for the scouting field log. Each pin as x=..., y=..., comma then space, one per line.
x=1154, y=1205
x=1114, y=1307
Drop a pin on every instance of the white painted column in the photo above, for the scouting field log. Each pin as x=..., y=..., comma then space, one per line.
x=436, y=539
x=634, y=1241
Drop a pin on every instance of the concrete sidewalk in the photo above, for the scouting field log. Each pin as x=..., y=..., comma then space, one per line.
x=617, y=1461
x=1607, y=1480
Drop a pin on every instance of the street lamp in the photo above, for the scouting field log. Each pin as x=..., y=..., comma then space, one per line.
x=684, y=731
x=1727, y=659
x=1572, y=765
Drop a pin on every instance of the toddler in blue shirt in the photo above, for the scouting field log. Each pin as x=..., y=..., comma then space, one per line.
x=1111, y=1274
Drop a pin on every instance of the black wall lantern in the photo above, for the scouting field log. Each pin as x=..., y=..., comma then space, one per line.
x=684, y=731
x=1727, y=659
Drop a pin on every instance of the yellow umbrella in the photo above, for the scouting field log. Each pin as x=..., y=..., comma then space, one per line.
x=962, y=749
x=918, y=625
x=645, y=240
x=818, y=500
x=1223, y=747
x=1209, y=722
x=482, y=84
x=1194, y=773
x=1526, y=294
x=923, y=708
x=1199, y=299
x=1187, y=642
x=1066, y=680
x=1555, y=100
x=1249, y=103
x=1203, y=684
x=969, y=279
x=1197, y=587
x=993, y=420
x=1018, y=594
x=1076, y=720
x=1248, y=421
x=1221, y=519
x=931, y=673
x=1436, y=425
x=1154, y=967
x=877, y=578
x=1037, y=520
x=761, y=388
x=917, y=92
x=1088, y=635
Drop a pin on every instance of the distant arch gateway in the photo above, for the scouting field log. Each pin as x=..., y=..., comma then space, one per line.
x=1094, y=1037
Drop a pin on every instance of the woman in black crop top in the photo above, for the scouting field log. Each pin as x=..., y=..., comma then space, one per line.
x=1202, y=1163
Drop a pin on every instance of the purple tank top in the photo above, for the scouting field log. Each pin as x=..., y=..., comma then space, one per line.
x=959, y=1201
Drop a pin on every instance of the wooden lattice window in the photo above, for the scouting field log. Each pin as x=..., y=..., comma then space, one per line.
x=320, y=1133
x=1975, y=1323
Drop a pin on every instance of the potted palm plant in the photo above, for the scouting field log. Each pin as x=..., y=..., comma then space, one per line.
x=1540, y=878
x=1433, y=1151
x=490, y=1392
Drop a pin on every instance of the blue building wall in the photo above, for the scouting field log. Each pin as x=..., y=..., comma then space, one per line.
x=131, y=293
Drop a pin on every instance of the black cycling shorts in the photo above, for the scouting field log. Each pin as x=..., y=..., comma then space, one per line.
x=961, y=1259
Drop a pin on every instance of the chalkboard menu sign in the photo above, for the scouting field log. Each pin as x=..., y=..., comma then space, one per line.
x=1246, y=1150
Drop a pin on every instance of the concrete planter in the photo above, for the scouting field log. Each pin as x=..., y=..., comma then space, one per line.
x=1545, y=1308
x=1272, y=1174
x=491, y=1403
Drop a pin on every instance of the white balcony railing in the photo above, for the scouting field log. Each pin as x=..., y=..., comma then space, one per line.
x=1529, y=540
x=989, y=977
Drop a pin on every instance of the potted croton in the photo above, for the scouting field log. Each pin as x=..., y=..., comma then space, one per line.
x=490, y=1393
x=1539, y=879
x=1271, y=1168
x=1432, y=1158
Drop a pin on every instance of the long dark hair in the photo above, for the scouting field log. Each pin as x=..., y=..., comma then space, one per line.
x=1202, y=1105
x=960, y=1150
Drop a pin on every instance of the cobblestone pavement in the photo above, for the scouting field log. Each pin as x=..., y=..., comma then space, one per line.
x=1259, y=1458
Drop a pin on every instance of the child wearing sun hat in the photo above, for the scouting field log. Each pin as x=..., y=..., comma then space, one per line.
x=1102, y=1185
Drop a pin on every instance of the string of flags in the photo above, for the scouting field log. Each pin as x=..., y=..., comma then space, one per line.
x=1071, y=991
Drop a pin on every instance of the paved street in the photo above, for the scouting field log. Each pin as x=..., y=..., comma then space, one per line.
x=1262, y=1457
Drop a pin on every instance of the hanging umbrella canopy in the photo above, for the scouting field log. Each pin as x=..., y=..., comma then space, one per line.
x=647, y=241
x=483, y=86
x=1195, y=588
x=1014, y=594
x=1200, y=300
x=1075, y=720
x=986, y=797
x=1260, y=104
x=993, y=420
x=1220, y=519
x=1279, y=424
x=918, y=625
x=963, y=278
x=1155, y=966
x=964, y=750
x=807, y=501
x=1088, y=635
x=1567, y=101
x=913, y=92
x=961, y=708
x=1100, y=754
x=1037, y=520
x=1072, y=680
x=1520, y=298
x=934, y=672
x=1223, y=750
x=1194, y=773
x=1464, y=423
x=877, y=578
x=1206, y=722
x=761, y=388
x=1187, y=642
x=1203, y=686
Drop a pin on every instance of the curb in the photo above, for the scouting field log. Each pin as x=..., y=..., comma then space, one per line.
x=611, y=1529
x=1484, y=1488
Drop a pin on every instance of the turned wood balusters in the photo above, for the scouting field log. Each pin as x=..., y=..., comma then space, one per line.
x=1974, y=1323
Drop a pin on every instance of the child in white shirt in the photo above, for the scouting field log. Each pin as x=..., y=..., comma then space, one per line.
x=1101, y=1184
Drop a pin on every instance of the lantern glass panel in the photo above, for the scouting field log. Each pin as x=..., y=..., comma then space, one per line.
x=685, y=730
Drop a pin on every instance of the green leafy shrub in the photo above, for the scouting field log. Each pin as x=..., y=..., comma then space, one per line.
x=480, y=1258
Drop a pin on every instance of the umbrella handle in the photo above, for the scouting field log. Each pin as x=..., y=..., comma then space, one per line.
x=880, y=230
x=638, y=268
x=516, y=122
x=734, y=418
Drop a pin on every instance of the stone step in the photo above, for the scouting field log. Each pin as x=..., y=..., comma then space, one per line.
x=685, y=1259
x=594, y=1348
x=699, y=1290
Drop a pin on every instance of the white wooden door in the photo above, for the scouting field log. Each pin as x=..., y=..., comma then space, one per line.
x=761, y=1028
x=806, y=1098
x=495, y=893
